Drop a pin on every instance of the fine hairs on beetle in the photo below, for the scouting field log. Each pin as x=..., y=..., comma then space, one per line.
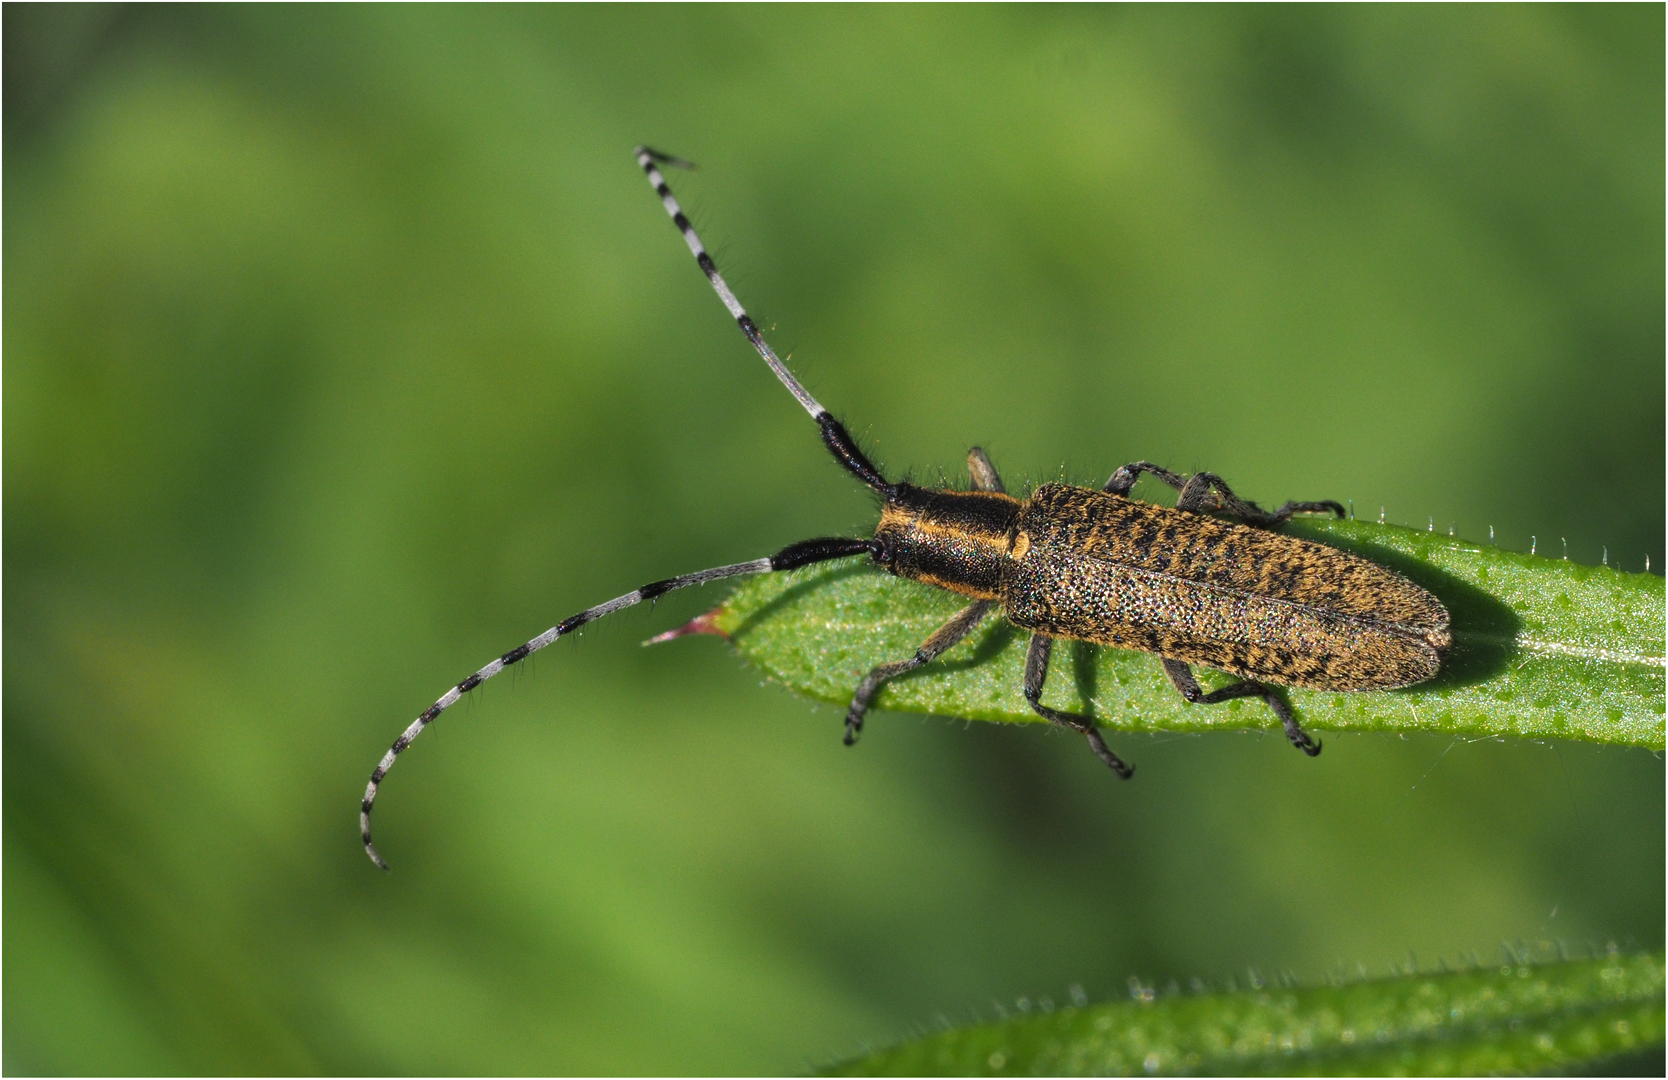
x=1210, y=582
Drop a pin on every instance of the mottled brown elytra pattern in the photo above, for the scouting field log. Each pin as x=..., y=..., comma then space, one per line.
x=1103, y=568
x=1077, y=563
x=1069, y=562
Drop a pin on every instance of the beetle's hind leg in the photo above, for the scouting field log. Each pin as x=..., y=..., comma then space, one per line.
x=958, y=627
x=1036, y=673
x=1207, y=492
x=1182, y=676
x=1123, y=481
x=1325, y=506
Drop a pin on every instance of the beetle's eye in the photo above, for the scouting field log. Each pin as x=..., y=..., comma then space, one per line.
x=882, y=552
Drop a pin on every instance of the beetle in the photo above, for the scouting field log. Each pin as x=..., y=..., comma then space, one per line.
x=1208, y=582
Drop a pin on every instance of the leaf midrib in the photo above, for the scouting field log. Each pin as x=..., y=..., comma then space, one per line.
x=1525, y=643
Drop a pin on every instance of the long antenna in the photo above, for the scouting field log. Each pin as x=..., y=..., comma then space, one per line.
x=647, y=158
x=804, y=553
x=834, y=434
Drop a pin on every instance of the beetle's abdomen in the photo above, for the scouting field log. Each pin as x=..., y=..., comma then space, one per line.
x=1273, y=608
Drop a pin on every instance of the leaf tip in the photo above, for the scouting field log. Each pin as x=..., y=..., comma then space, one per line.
x=707, y=623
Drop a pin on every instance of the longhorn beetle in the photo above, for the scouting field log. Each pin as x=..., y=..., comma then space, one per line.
x=1226, y=591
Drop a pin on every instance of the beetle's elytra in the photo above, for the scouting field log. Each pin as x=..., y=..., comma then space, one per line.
x=1077, y=563
x=1209, y=582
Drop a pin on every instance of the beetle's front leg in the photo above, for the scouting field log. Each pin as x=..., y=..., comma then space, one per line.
x=1182, y=676
x=1036, y=673
x=958, y=627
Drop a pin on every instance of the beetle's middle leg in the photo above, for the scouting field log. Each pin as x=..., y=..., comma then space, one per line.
x=1182, y=676
x=1036, y=672
x=958, y=627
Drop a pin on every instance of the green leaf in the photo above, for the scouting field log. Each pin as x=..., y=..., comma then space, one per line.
x=1514, y=1019
x=1542, y=648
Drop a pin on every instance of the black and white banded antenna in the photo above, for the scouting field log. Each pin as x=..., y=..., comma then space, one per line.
x=834, y=434
x=804, y=553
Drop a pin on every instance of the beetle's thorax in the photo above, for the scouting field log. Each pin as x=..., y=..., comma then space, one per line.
x=956, y=540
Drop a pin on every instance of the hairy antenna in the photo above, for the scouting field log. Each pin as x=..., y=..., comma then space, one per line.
x=803, y=553
x=647, y=158
x=834, y=434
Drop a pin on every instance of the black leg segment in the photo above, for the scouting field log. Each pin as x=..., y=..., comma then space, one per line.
x=1182, y=676
x=1325, y=506
x=958, y=627
x=1124, y=479
x=1036, y=673
x=1206, y=493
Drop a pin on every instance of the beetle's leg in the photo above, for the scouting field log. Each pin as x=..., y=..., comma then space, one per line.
x=1182, y=676
x=1124, y=479
x=983, y=472
x=1299, y=738
x=1036, y=672
x=1205, y=492
x=1321, y=507
x=958, y=627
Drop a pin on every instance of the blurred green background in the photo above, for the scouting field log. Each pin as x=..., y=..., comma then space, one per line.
x=346, y=348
